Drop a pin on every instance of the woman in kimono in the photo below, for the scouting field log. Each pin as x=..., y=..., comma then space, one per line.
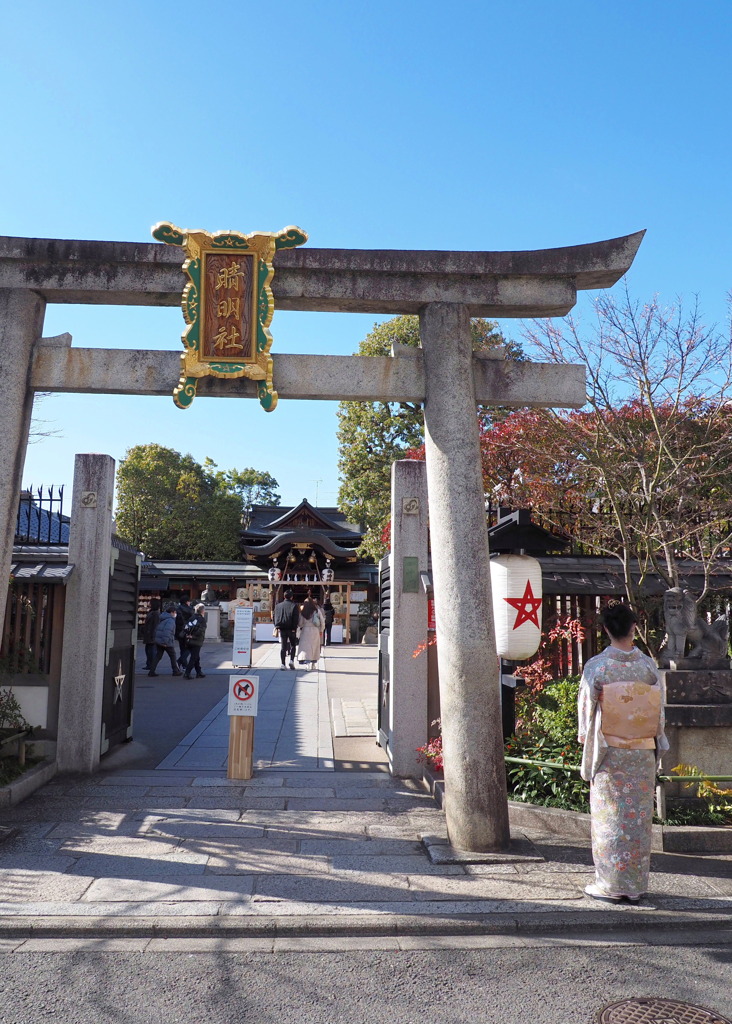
x=621, y=725
x=311, y=627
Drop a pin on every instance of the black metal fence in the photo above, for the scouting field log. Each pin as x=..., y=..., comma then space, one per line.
x=41, y=521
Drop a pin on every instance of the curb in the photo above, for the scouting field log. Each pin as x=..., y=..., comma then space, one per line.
x=530, y=923
x=27, y=783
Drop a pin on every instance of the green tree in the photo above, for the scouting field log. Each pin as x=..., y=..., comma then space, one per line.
x=170, y=506
x=253, y=486
x=372, y=435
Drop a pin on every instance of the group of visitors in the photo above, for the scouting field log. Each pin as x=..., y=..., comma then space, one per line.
x=179, y=622
x=302, y=628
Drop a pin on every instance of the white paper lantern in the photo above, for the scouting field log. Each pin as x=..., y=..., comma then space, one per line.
x=517, y=593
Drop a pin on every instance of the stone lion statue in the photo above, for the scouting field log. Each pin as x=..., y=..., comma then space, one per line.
x=709, y=642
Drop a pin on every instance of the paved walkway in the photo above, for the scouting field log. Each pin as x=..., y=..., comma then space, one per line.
x=292, y=731
x=304, y=851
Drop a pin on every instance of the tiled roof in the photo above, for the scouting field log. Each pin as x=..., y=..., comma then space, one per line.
x=41, y=570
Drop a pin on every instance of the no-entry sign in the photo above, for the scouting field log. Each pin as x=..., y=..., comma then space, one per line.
x=243, y=695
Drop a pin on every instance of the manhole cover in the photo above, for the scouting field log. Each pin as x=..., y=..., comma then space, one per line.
x=658, y=1011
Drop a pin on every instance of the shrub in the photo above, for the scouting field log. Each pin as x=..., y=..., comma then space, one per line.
x=552, y=787
x=551, y=711
x=547, y=731
x=555, y=710
x=11, y=716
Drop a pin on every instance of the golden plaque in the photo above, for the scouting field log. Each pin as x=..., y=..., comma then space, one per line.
x=227, y=305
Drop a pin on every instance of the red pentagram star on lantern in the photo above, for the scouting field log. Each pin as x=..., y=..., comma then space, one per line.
x=526, y=607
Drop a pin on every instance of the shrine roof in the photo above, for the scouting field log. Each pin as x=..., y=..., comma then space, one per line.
x=271, y=520
x=291, y=537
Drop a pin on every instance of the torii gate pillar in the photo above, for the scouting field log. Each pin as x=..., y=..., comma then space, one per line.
x=470, y=703
x=21, y=324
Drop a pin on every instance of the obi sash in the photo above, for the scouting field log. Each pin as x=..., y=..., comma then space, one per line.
x=631, y=715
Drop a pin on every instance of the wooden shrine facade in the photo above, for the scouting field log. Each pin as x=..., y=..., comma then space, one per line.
x=310, y=549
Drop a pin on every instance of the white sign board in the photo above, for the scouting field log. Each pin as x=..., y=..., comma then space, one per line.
x=243, y=695
x=241, y=655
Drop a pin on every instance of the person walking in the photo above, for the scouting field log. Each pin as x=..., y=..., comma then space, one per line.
x=183, y=617
x=286, y=619
x=328, y=616
x=195, y=633
x=621, y=724
x=311, y=627
x=165, y=640
x=148, y=632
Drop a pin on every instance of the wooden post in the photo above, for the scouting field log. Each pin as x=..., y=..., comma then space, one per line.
x=241, y=747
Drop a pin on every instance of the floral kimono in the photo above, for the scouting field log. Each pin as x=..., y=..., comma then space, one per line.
x=621, y=766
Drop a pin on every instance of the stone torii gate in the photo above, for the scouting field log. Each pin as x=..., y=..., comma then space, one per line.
x=445, y=289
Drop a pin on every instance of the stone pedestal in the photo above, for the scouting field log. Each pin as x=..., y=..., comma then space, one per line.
x=698, y=722
x=213, y=622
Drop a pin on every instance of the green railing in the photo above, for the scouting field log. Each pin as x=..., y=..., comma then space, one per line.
x=660, y=778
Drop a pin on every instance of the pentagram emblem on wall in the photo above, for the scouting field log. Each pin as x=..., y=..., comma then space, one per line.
x=119, y=682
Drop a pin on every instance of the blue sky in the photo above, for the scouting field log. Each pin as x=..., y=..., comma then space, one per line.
x=405, y=125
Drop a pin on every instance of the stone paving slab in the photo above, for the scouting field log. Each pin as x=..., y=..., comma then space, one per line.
x=122, y=846
x=349, y=887
x=110, y=866
x=520, y=850
x=245, y=944
x=394, y=865
x=246, y=846
x=35, y=863
x=267, y=863
x=178, y=887
x=150, y=779
x=212, y=814
x=71, y=830
x=88, y=945
x=320, y=820
x=269, y=781
x=367, y=803
x=28, y=884
x=494, y=887
x=238, y=832
x=362, y=847
x=686, y=886
x=263, y=803
x=534, y=871
x=110, y=910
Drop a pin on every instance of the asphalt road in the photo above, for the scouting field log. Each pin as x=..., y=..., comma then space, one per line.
x=546, y=985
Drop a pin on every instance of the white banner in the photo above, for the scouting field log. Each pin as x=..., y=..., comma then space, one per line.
x=241, y=655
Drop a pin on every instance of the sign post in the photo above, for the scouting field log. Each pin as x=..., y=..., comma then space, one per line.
x=243, y=700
